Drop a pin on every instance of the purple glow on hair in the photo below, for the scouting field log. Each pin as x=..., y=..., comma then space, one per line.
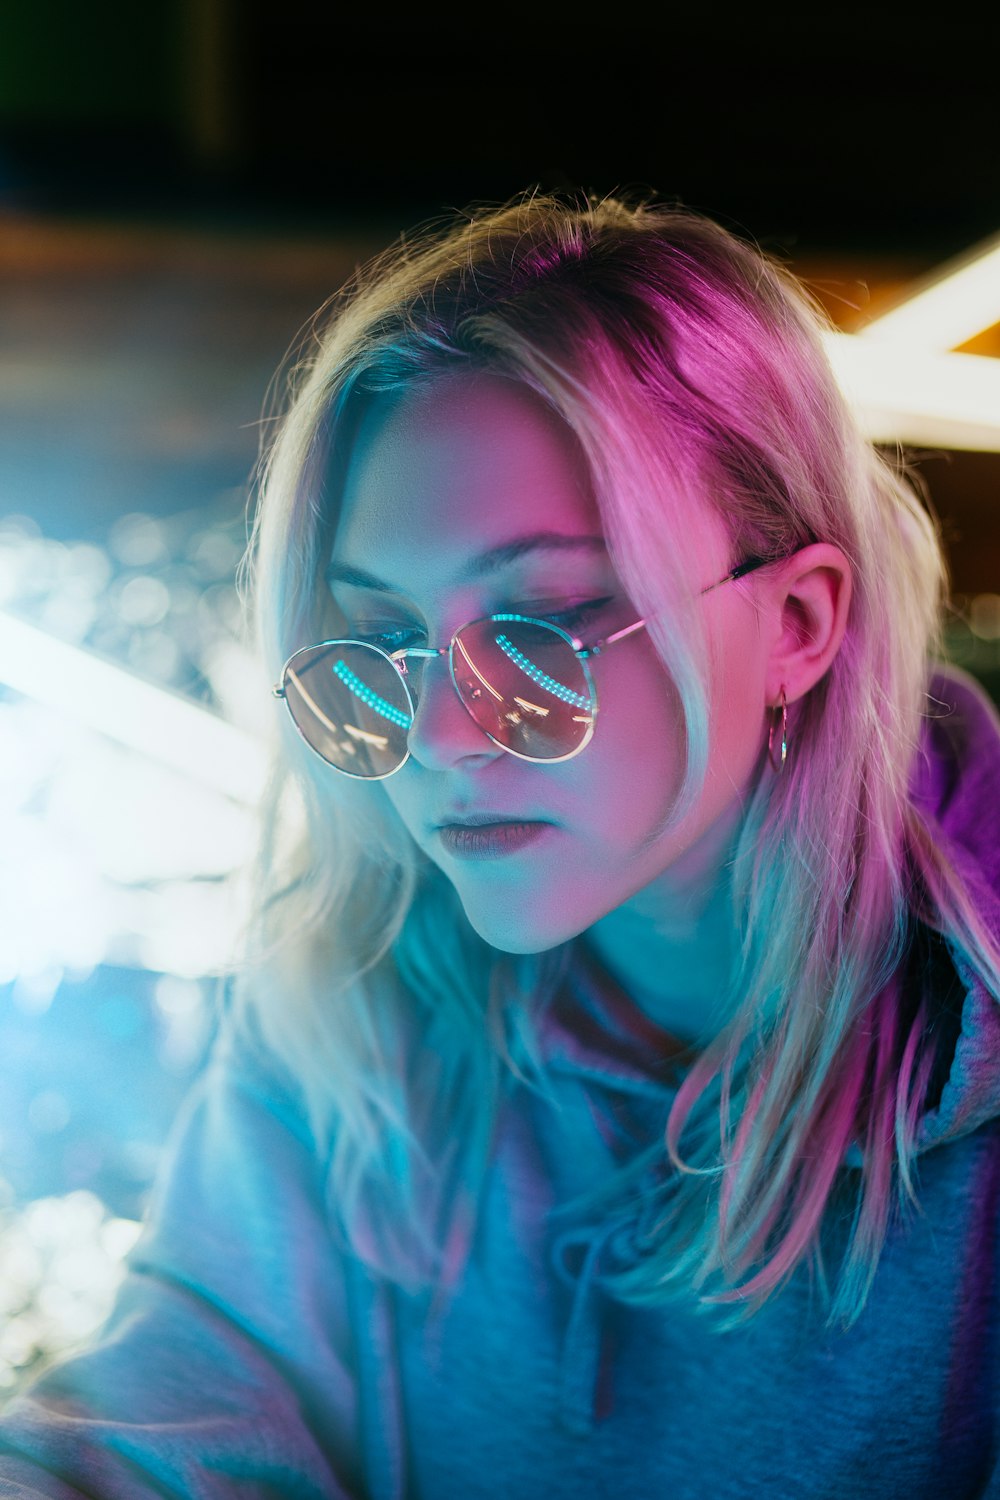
x=688, y=365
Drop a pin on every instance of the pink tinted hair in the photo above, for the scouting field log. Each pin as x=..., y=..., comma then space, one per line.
x=692, y=370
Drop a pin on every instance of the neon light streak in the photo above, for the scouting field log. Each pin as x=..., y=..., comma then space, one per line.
x=314, y=707
x=377, y=704
x=532, y=708
x=379, y=741
x=959, y=300
x=152, y=720
x=900, y=394
x=476, y=672
x=527, y=666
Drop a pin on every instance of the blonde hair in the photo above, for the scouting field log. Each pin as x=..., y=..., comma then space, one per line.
x=689, y=365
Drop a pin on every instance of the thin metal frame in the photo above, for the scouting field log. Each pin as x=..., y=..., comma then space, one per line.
x=428, y=653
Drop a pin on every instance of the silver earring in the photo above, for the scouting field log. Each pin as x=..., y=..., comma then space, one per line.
x=779, y=765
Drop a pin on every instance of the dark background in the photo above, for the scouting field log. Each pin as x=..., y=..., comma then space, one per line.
x=852, y=127
x=182, y=183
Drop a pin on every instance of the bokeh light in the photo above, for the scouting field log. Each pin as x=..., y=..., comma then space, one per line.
x=117, y=905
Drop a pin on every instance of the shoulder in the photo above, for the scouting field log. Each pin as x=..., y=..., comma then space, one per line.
x=959, y=706
x=243, y=1084
x=956, y=779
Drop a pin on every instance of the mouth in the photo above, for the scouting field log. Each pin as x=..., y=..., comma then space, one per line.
x=489, y=835
x=486, y=820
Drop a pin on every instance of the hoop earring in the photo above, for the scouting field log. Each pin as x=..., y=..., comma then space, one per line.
x=779, y=765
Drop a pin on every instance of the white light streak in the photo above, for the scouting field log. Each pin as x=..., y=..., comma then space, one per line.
x=150, y=719
x=959, y=300
x=903, y=395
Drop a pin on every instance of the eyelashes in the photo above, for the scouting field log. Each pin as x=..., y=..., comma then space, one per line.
x=397, y=637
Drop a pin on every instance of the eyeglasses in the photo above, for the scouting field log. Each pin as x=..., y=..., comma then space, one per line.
x=525, y=682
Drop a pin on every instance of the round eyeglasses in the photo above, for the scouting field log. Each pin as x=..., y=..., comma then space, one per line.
x=525, y=682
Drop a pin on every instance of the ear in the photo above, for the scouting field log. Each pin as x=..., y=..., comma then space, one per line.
x=808, y=599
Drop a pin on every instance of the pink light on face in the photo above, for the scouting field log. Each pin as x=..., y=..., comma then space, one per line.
x=437, y=478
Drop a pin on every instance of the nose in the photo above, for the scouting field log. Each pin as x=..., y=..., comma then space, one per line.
x=443, y=732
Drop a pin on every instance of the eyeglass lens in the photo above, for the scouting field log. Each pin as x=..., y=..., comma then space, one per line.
x=525, y=687
x=521, y=681
x=350, y=705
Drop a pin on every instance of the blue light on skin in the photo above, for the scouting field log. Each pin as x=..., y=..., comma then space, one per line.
x=438, y=480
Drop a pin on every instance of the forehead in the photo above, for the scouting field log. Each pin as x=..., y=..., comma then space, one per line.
x=451, y=469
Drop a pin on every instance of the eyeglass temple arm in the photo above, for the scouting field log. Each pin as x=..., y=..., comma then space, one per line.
x=609, y=640
x=423, y=653
x=429, y=652
x=747, y=566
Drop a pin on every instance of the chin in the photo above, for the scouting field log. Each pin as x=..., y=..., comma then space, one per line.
x=521, y=927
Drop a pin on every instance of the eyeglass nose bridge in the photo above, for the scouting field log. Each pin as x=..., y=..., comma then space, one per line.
x=431, y=653
x=428, y=653
x=424, y=653
x=404, y=655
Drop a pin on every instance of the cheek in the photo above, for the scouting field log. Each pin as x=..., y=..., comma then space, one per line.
x=738, y=720
x=404, y=804
x=637, y=756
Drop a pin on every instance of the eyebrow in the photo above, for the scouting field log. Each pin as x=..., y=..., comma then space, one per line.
x=487, y=562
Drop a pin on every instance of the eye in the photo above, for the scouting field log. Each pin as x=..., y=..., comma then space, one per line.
x=573, y=618
x=388, y=637
x=396, y=637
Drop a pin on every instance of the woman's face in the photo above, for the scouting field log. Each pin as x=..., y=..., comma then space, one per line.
x=438, y=480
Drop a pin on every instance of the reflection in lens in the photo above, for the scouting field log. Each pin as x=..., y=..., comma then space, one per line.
x=369, y=697
x=534, y=671
x=351, y=706
x=525, y=686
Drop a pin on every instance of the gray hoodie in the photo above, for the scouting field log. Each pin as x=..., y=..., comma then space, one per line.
x=246, y=1356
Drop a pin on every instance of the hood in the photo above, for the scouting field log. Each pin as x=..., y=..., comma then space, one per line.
x=957, y=786
x=594, y=1032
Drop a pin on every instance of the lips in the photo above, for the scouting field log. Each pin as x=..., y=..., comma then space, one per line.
x=478, y=819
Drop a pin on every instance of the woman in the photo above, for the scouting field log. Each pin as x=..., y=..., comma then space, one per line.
x=627, y=946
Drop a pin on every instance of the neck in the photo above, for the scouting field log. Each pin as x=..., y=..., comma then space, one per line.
x=672, y=947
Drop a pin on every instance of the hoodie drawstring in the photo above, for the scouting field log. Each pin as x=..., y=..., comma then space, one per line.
x=616, y=1244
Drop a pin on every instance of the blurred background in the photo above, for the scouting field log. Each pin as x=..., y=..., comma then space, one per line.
x=182, y=184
